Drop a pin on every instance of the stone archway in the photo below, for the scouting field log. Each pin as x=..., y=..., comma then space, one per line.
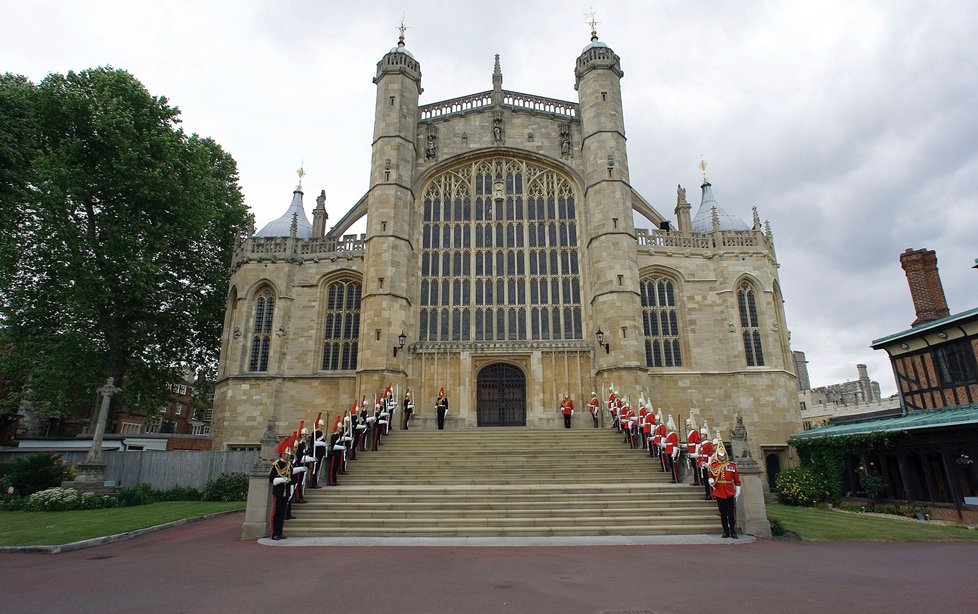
x=501, y=396
x=773, y=466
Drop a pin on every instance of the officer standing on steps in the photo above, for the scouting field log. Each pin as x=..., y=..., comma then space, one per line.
x=726, y=488
x=567, y=409
x=594, y=407
x=441, y=408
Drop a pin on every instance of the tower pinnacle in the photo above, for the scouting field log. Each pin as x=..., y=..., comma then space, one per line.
x=497, y=76
x=401, y=29
x=593, y=23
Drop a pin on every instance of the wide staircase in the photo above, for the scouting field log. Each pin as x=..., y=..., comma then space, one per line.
x=503, y=482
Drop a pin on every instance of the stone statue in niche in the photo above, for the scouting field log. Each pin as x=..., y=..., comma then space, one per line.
x=431, y=148
x=565, y=144
x=497, y=130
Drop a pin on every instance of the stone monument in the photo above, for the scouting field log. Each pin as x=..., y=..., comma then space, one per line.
x=91, y=473
x=259, y=507
x=751, y=512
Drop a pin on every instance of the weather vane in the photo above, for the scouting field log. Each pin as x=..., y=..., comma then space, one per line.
x=702, y=166
x=402, y=29
x=591, y=20
x=301, y=173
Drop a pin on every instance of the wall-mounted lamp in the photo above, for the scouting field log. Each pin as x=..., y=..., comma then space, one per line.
x=400, y=342
x=600, y=337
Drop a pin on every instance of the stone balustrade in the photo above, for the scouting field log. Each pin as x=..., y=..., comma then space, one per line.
x=456, y=105
x=654, y=240
x=514, y=100
x=540, y=104
x=258, y=249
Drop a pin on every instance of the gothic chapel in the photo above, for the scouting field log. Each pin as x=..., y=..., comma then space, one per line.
x=500, y=248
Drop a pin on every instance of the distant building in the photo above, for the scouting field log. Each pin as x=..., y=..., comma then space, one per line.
x=930, y=452
x=846, y=401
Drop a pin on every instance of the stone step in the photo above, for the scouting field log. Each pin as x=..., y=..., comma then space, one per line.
x=504, y=482
x=446, y=530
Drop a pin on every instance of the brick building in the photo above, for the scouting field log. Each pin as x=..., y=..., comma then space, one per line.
x=933, y=442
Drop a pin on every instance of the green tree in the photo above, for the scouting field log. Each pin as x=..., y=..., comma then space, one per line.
x=124, y=230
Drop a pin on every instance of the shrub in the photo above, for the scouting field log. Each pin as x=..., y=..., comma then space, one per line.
x=180, y=493
x=801, y=486
x=140, y=494
x=777, y=529
x=67, y=499
x=227, y=487
x=872, y=484
x=12, y=503
x=32, y=473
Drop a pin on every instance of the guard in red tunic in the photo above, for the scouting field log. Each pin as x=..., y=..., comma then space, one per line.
x=613, y=407
x=567, y=409
x=671, y=450
x=692, y=449
x=706, y=451
x=594, y=407
x=726, y=488
x=658, y=438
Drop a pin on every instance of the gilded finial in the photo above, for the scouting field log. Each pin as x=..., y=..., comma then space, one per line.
x=702, y=167
x=401, y=29
x=593, y=23
x=301, y=173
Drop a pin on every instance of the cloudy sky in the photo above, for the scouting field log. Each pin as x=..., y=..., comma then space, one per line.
x=852, y=126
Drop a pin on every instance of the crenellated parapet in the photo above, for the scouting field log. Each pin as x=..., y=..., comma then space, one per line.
x=288, y=249
x=510, y=100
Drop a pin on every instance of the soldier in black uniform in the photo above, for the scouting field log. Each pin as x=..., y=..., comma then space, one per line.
x=335, y=455
x=279, y=477
x=441, y=407
x=408, y=409
x=319, y=445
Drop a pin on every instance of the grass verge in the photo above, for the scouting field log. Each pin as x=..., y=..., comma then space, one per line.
x=57, y=528
x=814, y=524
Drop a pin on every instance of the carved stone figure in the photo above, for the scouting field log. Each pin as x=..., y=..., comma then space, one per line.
x=497, y=130
x=430, y=150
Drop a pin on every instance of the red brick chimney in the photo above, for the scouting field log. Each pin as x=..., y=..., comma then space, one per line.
x=925, y=285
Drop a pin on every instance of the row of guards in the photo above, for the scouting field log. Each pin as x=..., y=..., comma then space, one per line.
x=305, y=459
x=700, y=455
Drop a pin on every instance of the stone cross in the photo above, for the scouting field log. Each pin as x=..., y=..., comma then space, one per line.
x=106, y=391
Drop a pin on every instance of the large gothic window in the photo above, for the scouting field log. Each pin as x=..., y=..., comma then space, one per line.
x=341, y=328
x=261, y=334
x=499, y=259
x=750, y=324
x=660, y=321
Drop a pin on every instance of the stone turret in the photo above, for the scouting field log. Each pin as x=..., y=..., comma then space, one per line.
x=384, y=307
x=611, y=241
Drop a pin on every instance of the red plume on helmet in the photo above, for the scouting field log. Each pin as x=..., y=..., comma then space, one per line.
x=336, y=423
x=283, y=445
x=441, y=391
x=315, y=425
x=387, y=390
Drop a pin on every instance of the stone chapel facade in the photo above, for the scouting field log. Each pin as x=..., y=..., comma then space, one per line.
x=500, y=241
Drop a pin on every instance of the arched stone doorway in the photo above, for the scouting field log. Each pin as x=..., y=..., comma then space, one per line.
x=501, y=396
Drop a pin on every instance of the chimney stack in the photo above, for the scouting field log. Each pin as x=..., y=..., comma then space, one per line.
x=925, y=285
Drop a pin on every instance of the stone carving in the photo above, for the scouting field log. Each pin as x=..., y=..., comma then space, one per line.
x=680, y=195
x=430, y=149
x=739, y=434
x=497, y=130
x=565, y=143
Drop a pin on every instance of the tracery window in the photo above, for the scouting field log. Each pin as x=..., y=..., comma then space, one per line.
x=660, y=321
x=499, y=259
x=341, y=329
x=750, y=324
x=261, y=335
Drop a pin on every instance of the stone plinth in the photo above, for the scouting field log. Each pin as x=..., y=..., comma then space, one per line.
x=258, y=509
x=90, y=478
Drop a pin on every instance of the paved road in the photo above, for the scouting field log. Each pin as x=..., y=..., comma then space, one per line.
x=203, y=567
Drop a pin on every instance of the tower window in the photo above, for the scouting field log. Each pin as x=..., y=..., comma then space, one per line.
x=750, y=325
x=261, y=336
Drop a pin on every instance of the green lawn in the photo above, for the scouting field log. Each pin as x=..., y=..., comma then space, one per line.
x=56, y=528
x=814, y=524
